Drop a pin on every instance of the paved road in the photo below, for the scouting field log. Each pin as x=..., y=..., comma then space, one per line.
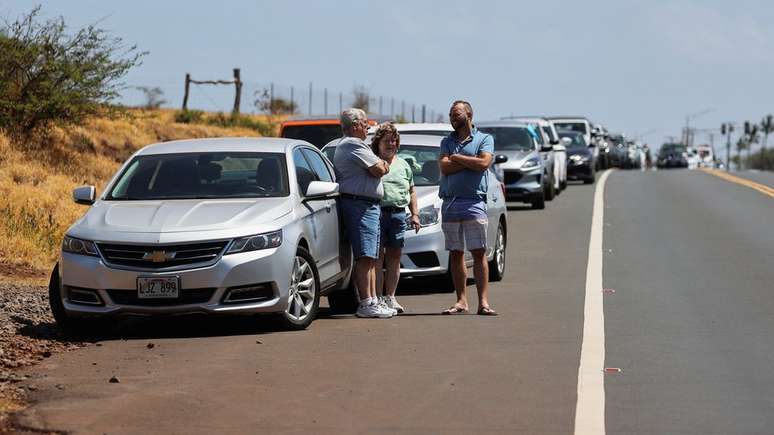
x=689, y=254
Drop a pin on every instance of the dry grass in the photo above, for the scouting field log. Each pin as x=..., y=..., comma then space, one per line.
x=36, y=180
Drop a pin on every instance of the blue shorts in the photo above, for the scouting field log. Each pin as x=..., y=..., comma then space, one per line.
x=361, y=220
x=393, y=228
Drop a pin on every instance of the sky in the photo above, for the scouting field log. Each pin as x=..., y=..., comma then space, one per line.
x=637, y=67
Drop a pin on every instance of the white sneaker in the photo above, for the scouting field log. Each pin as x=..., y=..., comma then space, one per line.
x=372, y=311
x=392, y=302
x=386, y=306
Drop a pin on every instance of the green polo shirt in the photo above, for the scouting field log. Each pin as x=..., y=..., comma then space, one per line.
x=397, y=184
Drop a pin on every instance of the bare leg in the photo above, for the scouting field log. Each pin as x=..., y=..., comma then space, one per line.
x=391, y=276
x=372, y=279
x=459, y=276
x=363, y=269
x=481, y=273
x=380, y=278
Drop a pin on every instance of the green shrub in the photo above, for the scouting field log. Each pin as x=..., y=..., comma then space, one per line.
x=49, y=76
x=189, y=116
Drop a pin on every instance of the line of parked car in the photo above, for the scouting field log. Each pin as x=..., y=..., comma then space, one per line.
x=246, y=226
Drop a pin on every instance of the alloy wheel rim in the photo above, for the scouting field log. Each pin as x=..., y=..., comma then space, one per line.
x=301, y=293
x=500, y=251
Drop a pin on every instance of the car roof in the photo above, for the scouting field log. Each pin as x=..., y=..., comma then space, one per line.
x=223, y=144
x=568, y=118
x=529, y=119
x=503, y=123
x=406, y=139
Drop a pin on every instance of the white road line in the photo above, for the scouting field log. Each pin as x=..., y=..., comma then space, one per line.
x=590, y=408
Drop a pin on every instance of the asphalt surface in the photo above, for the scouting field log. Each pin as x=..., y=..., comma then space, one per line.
x=689, y=325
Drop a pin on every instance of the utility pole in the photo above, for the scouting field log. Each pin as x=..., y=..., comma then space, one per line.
x=726, y=129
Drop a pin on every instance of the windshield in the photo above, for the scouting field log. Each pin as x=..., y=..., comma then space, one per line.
x=577, y=139
x=672, y=149
x=580, y=127
x=317, y=135
x=510, y=138
x=423, y=161
x=202, y=175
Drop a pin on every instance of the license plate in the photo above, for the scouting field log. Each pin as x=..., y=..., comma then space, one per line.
x=158, y=287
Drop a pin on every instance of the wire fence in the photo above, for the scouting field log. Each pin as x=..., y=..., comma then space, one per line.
x=276, y=98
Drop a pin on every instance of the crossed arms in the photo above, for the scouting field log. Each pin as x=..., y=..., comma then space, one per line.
x=457, y=162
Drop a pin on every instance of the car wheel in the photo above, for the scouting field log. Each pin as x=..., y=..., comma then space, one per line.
x=549, y=190
x=497, y=265
x=303, y=294
x=343, y=301
x=71, y=326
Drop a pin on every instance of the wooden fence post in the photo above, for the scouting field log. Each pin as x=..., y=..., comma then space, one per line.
x=185, y=94
x=238, y=89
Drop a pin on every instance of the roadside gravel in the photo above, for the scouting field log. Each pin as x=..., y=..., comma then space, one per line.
x=28, y=334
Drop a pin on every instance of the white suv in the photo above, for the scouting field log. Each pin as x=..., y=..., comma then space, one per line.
x=230, y=226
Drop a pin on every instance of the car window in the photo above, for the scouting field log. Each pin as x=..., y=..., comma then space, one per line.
x=572, y=126
x=548, y=133
x=304, y=172
x=202, y=175
x=318, y=165
x=510, y=138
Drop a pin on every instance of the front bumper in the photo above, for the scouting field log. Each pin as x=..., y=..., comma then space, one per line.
x=424, y=253
x=579, y=169
x=206, y=286
x=523, y=186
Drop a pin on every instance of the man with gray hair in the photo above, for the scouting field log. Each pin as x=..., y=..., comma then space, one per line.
x=359, y=172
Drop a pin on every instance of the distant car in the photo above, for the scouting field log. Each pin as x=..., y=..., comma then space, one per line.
x=318, y=130
x=525, y=175
x=581, y=125
x=580, y=160
x=692, y=156
x=420, y=128
x=672, y=155
x=706, y=156
x=600, y=137
x=219, y=226
x=559, y=152
x=617, y=154
x=424, y=253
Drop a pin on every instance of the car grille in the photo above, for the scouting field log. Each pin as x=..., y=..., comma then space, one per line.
x=158, y=257
x=424, y=259
x=186, y=296
x=511, y=177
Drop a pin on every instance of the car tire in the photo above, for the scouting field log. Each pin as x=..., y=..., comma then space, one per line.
x=343, y=301
x=549, y=190
x=71, y=326
x=497, y=265
x=302, y=306
x=539, y=203
x=589, y=180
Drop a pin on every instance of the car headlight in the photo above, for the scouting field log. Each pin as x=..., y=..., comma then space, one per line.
x=78, y=246
x=429, y=215
x=256, y=242
x=578, y=158
x=531, y=164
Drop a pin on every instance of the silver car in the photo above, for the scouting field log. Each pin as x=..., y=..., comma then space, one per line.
x=424, y=253
x=525, y=175
x=226, y=226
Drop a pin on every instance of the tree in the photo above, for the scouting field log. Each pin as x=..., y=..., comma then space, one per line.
x=273, y=106
x=741, y=145
x=767, y=126
x=153, y=97
x=48, y=75
x=361, y=99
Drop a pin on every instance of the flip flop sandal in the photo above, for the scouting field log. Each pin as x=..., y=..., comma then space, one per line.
x=455, y=310
x=486, y=311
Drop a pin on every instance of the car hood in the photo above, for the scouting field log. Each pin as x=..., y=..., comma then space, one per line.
x=427, y=195
x=584, y=152
x=139, y=220
x=517, y=158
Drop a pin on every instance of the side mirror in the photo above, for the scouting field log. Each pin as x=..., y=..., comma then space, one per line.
x=500, y=159
x=84, y=195
x=546, y=148
x=555, y=142
x=321, y=190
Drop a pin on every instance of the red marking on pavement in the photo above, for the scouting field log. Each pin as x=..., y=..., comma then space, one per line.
x=612, y=370
x=608, y=290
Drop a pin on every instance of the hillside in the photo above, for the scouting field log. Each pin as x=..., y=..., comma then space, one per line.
x=36, y=181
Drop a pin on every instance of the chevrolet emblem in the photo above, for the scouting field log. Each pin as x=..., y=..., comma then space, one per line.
x=159, y=256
